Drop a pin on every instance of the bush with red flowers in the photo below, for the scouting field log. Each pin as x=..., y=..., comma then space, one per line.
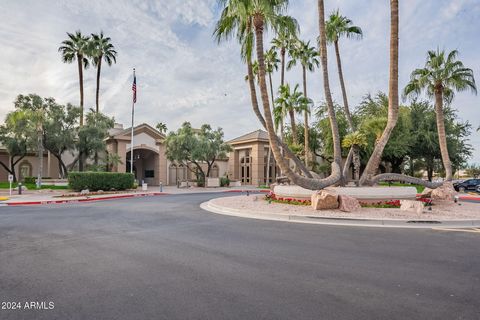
x=271, y=197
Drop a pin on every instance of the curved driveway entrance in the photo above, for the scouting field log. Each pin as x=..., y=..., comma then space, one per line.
x=165, y=258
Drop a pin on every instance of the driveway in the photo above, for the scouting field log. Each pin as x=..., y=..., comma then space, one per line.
x=165, y=258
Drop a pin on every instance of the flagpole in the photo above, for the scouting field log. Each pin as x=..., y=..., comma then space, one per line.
x=131, y=136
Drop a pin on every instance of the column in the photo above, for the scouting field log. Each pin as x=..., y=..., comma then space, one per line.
x=258, y=163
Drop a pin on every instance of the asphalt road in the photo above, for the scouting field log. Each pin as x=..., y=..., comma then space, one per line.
x=164, y=258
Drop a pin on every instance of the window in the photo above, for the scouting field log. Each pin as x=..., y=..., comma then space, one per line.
x=149, y=173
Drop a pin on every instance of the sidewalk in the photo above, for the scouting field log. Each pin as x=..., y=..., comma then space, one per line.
x=42, y=197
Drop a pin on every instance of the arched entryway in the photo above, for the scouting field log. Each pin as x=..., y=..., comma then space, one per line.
x=145, y=165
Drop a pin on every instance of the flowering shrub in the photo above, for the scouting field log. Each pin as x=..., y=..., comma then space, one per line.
x=392, y=203
x=270, y=197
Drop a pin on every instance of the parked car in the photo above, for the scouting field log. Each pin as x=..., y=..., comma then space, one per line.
x=478, y=188
x=467, y=185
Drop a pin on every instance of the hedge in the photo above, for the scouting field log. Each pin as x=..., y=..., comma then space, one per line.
x=95, y=181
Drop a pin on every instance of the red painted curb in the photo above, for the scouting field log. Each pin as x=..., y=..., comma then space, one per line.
x=123, y=196
x=469, y=198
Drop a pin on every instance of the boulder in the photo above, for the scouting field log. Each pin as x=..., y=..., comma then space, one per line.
x=411, y=205
x=348, y=204
x=444, y=192
x=324, y=200
x=426, y=193
x=85, y=191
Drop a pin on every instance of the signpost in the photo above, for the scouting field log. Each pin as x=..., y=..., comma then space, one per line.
x=10, y=180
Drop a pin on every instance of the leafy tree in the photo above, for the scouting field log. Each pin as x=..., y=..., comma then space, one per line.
x=441, y=77
x=91, y=137
x=15, y=139
x=101, y=49
x=190, y=146
x=60, y=132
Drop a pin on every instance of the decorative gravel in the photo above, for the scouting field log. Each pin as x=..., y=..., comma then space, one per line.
x=440, y=210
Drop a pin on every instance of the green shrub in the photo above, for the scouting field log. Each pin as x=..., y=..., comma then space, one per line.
x=94, y=181
x=30, y=180
x=224, y=182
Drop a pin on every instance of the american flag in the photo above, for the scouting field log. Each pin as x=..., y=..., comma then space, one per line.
x=134, y=88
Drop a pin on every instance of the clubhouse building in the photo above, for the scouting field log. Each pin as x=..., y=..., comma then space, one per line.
x=246, y=163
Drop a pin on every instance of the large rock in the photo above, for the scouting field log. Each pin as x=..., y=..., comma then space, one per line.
x=324, y=200
x=444, y=192
x=348, y=204
x=426, y=193
x=410, y=205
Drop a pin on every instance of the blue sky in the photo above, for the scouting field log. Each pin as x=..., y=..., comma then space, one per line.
x=183, y=75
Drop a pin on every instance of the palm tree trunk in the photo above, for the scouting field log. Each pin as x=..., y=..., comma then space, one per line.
x=374, y=161
x=282, y=73
x=80, y=75
x=442, y=137
x=356, y=163
x=40, y=159
x=337, y=151
x=269, y=156
x=346, y=108
x=305, y=124
x=99, y=67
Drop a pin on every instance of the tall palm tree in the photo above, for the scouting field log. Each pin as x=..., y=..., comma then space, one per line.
x=337, y=151
x=101, y=49
x=271, y=65
x=441, y=77
x=284, y=43
x=307, y=56
x=393, y=103
x=75, y=48
x=338, y=26
x=246, y=20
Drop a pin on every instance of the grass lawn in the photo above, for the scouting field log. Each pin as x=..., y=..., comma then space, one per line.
x=31, y=186
x=399, y=184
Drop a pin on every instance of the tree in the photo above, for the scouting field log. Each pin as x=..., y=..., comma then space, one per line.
x=75, y=48
x=307, y=56
x=34, y=108
x=473, y=170
x=393, y=103
x=355, y=140
x=284, y=42
x=189, y=146
x=100, y=49
x=441, y=77
x=91, y=137
x=162, y=127
x=336, y=27
x=15, y=139
x=60, y=132
x=236, y=20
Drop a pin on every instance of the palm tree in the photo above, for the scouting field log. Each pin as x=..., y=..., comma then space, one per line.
x=284, y=42
x=355, y=140
x=393, y=104
x=246, y=20
x=336, y=27
x=337, y=151
x=162, y=127
x=75, y=48
x=307, y=56
x=101, y=49
x=441, y=77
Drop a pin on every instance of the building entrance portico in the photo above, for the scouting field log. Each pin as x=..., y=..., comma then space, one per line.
x=145, y=165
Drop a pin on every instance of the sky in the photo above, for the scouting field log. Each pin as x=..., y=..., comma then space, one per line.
x=184, y=75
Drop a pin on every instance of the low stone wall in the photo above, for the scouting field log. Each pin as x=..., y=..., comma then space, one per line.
x=55, y=182
x=361, y=193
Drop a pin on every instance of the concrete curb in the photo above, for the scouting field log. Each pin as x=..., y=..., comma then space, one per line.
x=119, y=196
x=377, y=223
